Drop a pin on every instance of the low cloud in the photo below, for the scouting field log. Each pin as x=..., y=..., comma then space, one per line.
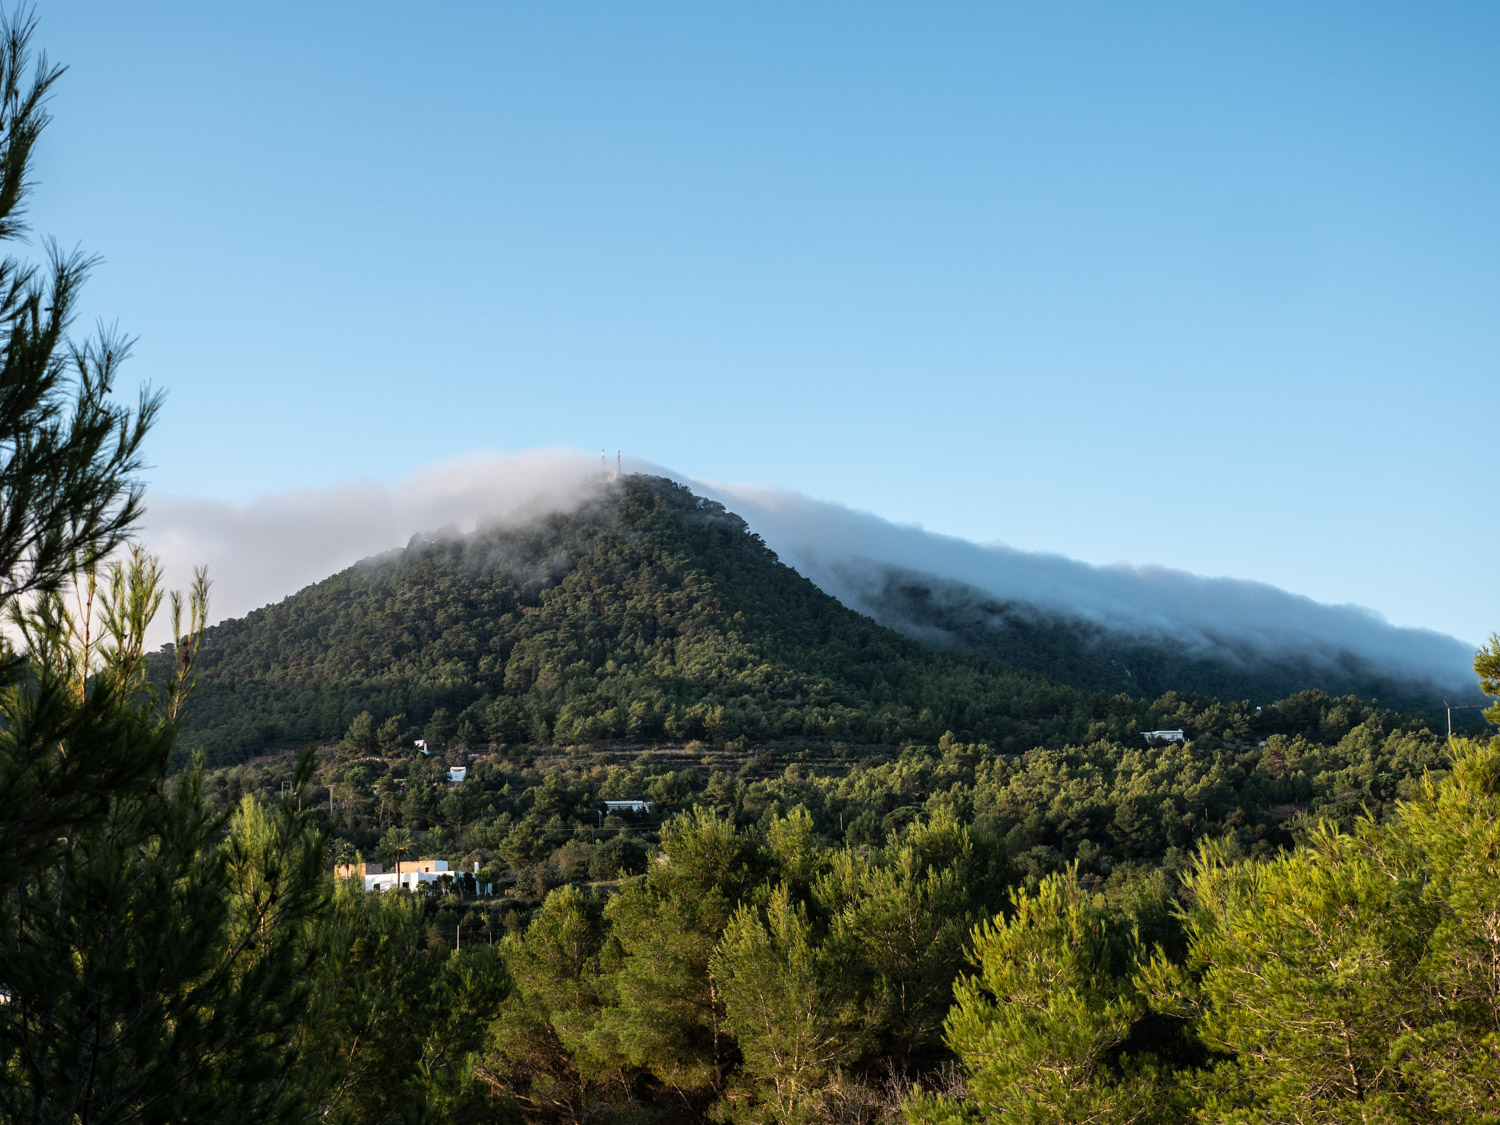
x=260, y=552
x=851, y=554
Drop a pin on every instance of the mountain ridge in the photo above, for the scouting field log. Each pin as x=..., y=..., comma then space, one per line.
x=649, y=613
x=645, y=614
x=1238, y=624
x=944, y=614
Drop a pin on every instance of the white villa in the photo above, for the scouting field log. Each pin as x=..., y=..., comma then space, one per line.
x=412, y=875
x=627, y=806
x=374, y=877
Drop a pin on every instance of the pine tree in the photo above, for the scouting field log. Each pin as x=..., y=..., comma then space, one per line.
x=667, y=1016
x=788, y=1007
x=394, y=1020
x=153, y=963
x=150, y=948
x=68, y=498
x=1041, y=1025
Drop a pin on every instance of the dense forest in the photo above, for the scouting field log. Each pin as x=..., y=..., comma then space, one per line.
x=1248, y=773
x=779, y=937
x=950, y=615
x=1288, y=917
x=650, y=615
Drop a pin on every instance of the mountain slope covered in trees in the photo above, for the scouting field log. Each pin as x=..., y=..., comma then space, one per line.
x=650, y=614
x=945, y=614
x=646, y=614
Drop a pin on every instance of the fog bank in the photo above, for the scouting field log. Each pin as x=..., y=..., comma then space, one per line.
x=850, y=554
x=262, y=551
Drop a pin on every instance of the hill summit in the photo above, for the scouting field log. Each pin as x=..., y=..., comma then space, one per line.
x=647, y=613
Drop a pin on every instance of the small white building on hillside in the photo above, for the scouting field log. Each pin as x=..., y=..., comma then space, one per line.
x=627, y=806
x=374, y=877
x=412, y=875
x=1164, y=736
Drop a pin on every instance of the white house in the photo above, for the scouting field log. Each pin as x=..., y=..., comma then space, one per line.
x=457, y=774
x=627, y=806
x=412, y=875
x=1164, y=736
x=373, y=877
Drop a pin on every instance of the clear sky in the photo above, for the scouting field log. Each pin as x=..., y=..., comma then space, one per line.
x=1208, y=285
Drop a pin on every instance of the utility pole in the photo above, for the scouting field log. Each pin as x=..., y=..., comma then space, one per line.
x=1464, y=707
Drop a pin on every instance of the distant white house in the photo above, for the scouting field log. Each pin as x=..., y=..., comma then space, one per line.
x=1164, y=736
x=412, y=875
x=627, y=806
x=374, y=877
x=457, y=774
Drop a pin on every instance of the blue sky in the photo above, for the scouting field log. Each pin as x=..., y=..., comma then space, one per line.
x=1213, y=286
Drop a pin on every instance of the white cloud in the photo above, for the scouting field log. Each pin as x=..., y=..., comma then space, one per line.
x=846, y=553
x=260, y=552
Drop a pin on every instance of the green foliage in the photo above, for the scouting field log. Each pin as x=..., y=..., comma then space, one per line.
x=777, y=939
x=858, y=876
x=359, y=739
x=647, y=614
x=1039, y=1027
x=1354, y=978
x=1090, y=657
x=395, y=1022
x=796, y=1023
x=68, y=498
x=711, y=983
x=399, y=844
x=1349, y=979
x=665, y=1014
x=154, y=962
x=68, y=453
x=542, y=1053
x=1487, y=667
x=391, y=737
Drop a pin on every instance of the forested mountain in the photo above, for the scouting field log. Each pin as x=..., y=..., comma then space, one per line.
x=650, y=614
x=646, y=614
x=1071, y=650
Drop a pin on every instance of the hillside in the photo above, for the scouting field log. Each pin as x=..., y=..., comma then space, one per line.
x=952, y=615
x=646, y=614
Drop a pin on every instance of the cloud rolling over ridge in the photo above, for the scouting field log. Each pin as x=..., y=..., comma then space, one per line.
x=851, y=554
x=262, y=551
